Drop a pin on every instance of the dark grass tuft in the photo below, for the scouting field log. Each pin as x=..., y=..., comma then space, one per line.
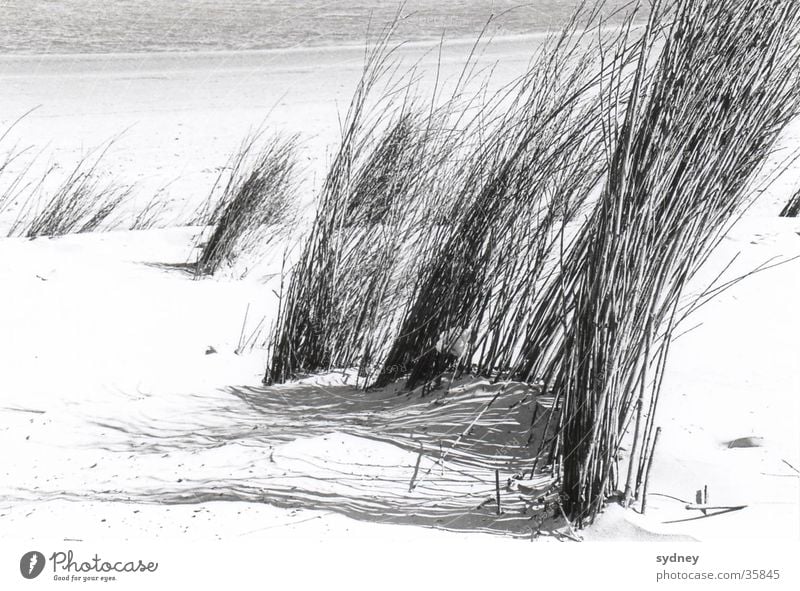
x=792, y=207
x=257, y=203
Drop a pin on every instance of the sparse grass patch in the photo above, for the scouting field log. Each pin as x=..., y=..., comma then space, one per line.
x=257, y=204
x=14, y=183
x=151, y=214
x=80, y=203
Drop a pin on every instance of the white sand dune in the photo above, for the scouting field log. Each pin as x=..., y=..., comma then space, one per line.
x=121, y=425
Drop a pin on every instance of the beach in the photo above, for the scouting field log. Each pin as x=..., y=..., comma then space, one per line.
x=106, y=341
x=176, y=118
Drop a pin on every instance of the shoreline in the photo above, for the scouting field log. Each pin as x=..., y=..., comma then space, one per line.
x=511, y=41
x=296, y=49
x=306, y=61
x=184, y=114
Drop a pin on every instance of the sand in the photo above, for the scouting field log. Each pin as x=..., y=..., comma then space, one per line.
x=106, y=346
x=178, y=117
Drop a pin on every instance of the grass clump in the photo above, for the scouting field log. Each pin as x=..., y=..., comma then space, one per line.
x=699, y=126
x=80, y=203
x=539, y=157
x=338, y=294
x=257, y=203
x=547, y=233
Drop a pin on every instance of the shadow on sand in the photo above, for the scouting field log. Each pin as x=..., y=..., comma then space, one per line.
x=384, y=457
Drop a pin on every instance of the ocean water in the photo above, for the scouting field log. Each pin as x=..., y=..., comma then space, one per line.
x=124, y=26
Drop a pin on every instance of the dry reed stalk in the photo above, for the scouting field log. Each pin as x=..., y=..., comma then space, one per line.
x=149, y=216
x=11, y=189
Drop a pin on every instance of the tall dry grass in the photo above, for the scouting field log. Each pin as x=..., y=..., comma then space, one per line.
x=539, y=158
x=416, y=189
x=13, y=181
x=257, y=205
x=700, y=124
x=371, y=213
x=546, y=233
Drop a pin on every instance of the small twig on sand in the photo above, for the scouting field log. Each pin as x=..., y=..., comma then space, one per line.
x=416, y=470
x=240, y=346
x=792, y=467
x=572, y=533
x=729, y=510
x=497, y=490
x=486, y=501
x=647, y=472
x=704, y=507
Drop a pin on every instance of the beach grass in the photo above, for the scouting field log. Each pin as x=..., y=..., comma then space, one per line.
x=257, y=205
x=557, y=247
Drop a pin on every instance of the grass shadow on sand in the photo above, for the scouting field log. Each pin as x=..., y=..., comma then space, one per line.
x=189, y=269
x=383, y=457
